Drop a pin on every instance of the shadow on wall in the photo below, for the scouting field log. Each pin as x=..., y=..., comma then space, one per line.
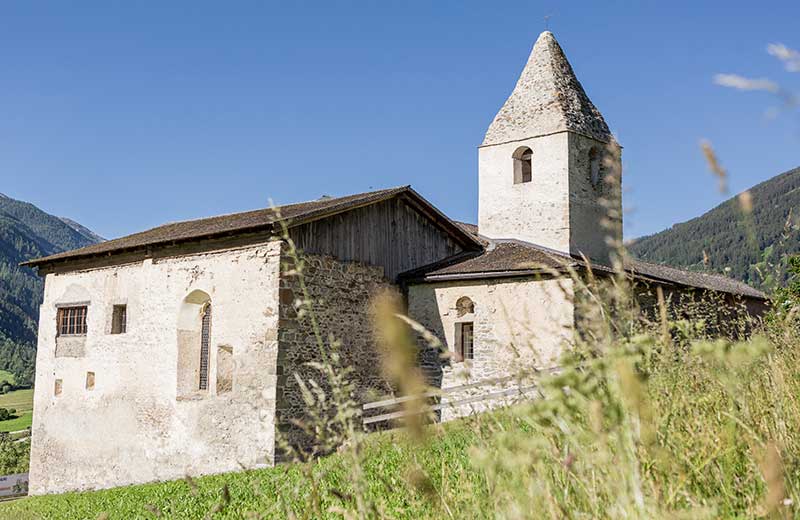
x=194, y=331
x=341, y=296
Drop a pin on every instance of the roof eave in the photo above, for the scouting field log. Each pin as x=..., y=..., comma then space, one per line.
x=465, y=239
x=412, y=278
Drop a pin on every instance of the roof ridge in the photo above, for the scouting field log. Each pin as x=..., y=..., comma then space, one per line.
x=721, y=276
x=261, y=220
x=256, y=210
x=498, y=261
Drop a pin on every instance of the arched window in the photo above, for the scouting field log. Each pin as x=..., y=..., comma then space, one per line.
x=464, y=327
x=596, y=166
x=523, y=165
x=205, y=337
x=464, y=306
x=194, y=343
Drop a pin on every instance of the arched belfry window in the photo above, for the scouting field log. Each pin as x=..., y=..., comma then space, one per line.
x=523, y=165
x=596, y=166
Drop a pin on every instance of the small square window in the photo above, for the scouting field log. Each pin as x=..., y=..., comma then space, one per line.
x=71, y=321
x=58, y=387
x=119, y=319
x=90, y=380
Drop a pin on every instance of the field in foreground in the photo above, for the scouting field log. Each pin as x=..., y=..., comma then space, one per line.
x=707, y=430
x=22, y=401
x=20, y=422
x=256, y=491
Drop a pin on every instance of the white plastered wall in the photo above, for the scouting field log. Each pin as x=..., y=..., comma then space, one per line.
x=520, y=324
x=559, y=208
x=535, y=211
x=133, y=426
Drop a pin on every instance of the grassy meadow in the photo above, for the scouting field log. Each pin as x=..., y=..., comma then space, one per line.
x=22, y=401
x=711, y=431
x=653, y=415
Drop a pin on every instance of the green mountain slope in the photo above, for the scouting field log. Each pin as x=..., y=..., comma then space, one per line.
x=27, y=232
x=748, y=246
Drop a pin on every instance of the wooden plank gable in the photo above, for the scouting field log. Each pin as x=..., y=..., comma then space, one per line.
x=393, y=234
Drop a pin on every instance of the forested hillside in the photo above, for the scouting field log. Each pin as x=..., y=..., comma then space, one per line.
x=27, y=232
x=750, y=246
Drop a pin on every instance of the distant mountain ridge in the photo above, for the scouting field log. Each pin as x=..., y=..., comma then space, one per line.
x=82, y=230
x=747, y=246
x=27, y=232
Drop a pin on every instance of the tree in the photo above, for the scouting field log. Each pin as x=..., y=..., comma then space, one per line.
x=14, y=456
x=786, y=301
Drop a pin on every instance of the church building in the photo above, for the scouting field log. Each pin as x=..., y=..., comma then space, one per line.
x=173, y=351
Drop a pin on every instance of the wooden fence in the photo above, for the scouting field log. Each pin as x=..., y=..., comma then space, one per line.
x=386, y=409
x=19, y=435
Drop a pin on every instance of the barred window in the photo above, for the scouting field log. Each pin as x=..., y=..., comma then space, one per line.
x=72, y=321
x=464, y=341
x=205, y=337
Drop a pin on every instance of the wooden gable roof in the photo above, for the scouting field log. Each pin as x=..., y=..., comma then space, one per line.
x=268, y=220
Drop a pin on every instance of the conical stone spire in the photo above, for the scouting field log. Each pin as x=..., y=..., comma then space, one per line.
x=548, y=98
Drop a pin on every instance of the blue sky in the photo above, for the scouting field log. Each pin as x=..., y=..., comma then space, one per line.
x=126, y=115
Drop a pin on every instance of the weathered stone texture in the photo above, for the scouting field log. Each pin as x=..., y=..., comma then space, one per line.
x=536, y=211
x=341, y=294
x=548, y=98
x=131, y=427
x=70, y=346
x=519, y=325
x=561, y=207
x=595, y=208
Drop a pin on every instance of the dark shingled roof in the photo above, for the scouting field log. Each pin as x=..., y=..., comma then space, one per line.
x=499, y=258
x=508, y=258
x=714, y=282
x=254, y=221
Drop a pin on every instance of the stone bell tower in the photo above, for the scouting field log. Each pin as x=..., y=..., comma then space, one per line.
x=549, y=168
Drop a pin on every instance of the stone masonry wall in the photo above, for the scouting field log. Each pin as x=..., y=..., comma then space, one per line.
x=341, y=293
x=595, y=208
x=535, y=211
x=519, y=325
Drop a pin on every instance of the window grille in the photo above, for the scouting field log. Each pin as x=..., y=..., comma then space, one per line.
x=465, y=341
x=71, y=321
x=205, y=336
